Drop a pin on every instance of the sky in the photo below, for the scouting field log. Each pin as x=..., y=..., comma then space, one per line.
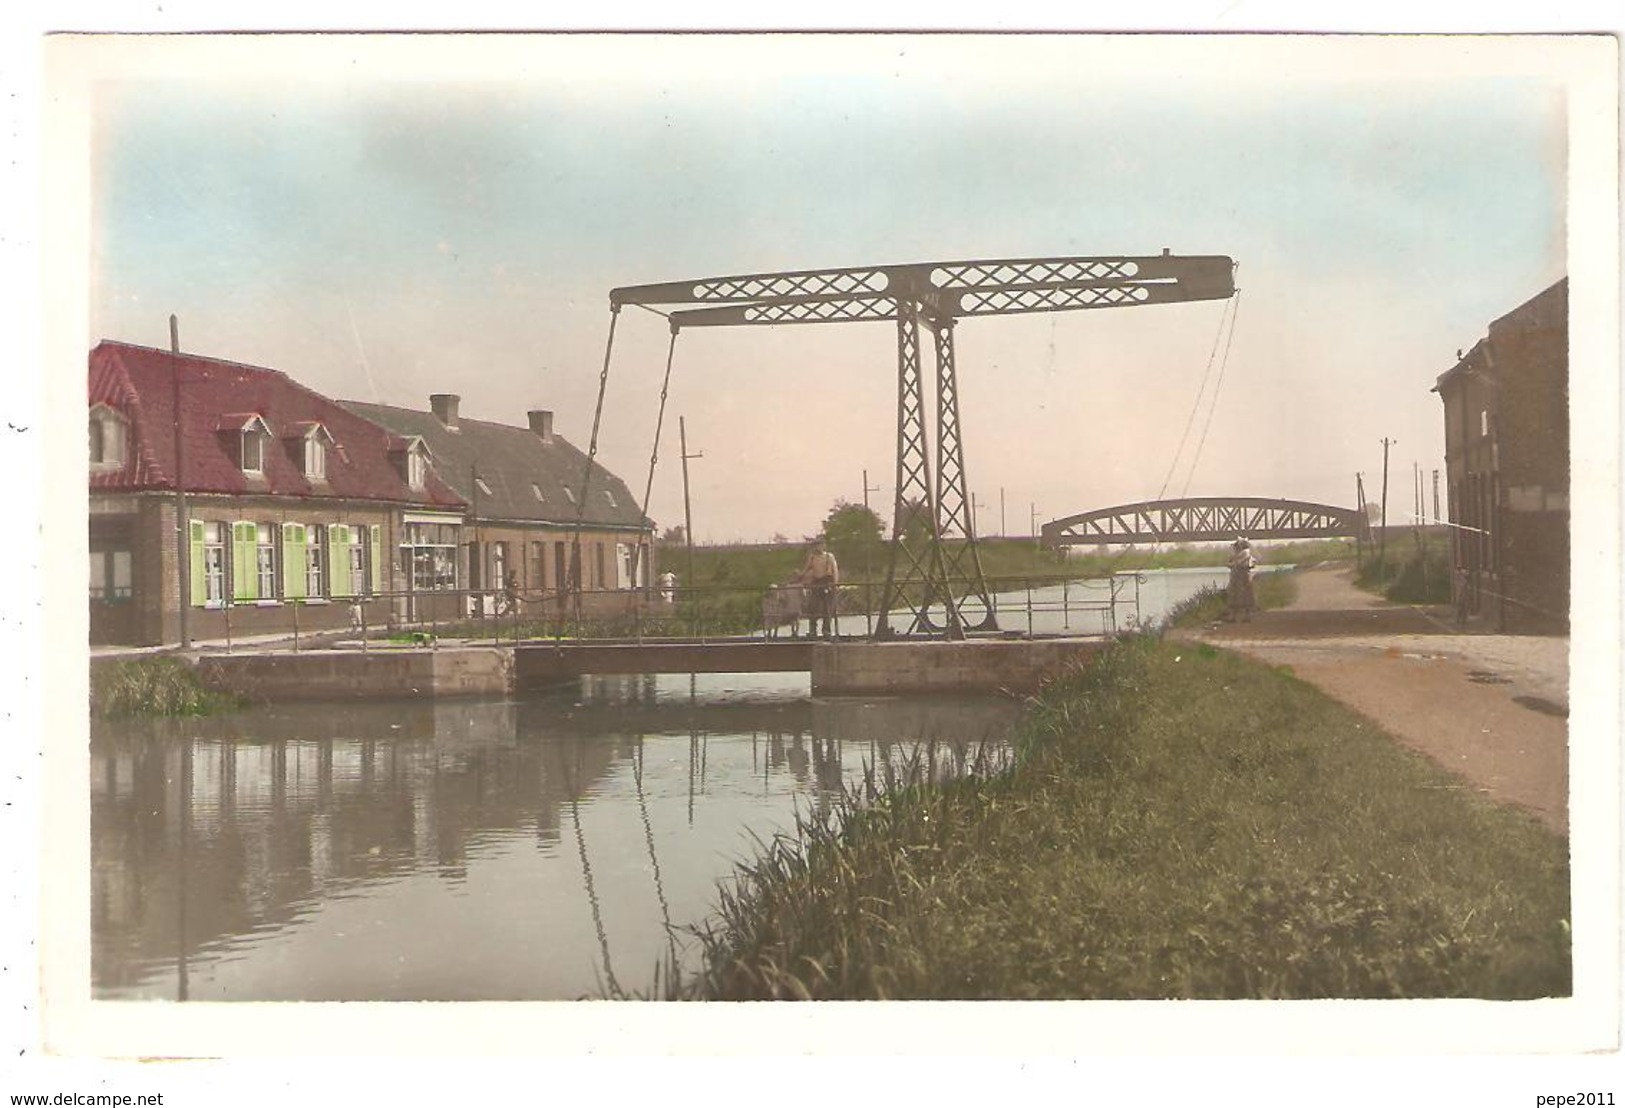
x=383, y=223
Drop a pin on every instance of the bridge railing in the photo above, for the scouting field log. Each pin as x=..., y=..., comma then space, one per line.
x=1030, y=604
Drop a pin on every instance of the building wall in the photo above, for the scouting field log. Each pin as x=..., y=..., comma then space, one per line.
x=150, y=615
x=539, y=555
x=1506, y=453
x=145, y=527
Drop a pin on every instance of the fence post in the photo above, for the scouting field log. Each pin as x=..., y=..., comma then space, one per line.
x=1028, y=581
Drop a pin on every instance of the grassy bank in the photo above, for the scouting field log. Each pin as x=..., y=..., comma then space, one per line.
x=1180, y=822
x=155, y=686
x=1270, y=590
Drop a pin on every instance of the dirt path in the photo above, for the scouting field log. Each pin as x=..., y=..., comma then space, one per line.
x=1490, y=708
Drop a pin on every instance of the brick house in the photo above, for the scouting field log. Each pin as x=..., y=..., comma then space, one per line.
x=523, y=488
x=1507, y=455
x=290, y=506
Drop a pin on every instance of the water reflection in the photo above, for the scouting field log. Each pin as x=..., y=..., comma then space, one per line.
x=420, y=851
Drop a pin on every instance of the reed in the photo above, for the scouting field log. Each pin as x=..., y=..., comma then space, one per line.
x=158, y=686
x=1175, y=822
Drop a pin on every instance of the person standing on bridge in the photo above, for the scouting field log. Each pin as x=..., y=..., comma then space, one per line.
x=1240, y=593
x=820, y=575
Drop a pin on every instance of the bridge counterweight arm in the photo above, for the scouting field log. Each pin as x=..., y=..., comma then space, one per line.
x=1196, y=277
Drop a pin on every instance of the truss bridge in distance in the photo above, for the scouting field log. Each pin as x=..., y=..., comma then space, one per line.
x=1204, y=519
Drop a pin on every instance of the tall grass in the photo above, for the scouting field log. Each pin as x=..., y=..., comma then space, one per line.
x=154, y=687
x=1178, y=822
x=1209, y=603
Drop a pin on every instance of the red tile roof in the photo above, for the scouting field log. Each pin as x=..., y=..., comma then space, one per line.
x=139, y=383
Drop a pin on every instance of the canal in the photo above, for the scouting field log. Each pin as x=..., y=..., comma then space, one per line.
x=554, y=846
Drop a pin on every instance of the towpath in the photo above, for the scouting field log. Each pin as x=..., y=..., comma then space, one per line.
x=1493, y=709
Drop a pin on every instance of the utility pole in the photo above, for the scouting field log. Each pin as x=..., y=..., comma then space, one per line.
x=1421, y=505
x=183, y=525
x=688, y=516
x=868, y=575
x=1382, y=549
x=1363, y=528
x=1436, y=518
x=976, y=504
x=1033, y=523
x=1001, y=512
x=476, y=577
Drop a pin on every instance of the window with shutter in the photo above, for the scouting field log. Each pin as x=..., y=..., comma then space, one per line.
x=339, y=540
x=199, y=582
x=293, y=561
x=244, y=579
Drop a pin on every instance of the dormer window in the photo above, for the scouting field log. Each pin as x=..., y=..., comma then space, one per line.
x=106, y=439
x=252, y=434
x=311, y=443
x=417, y=466
x=253, y=454
x=413, y=459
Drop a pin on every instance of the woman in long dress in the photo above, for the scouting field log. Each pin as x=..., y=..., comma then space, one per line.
x=1241, y=600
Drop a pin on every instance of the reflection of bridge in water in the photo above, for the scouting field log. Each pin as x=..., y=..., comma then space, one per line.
x=1204, y=519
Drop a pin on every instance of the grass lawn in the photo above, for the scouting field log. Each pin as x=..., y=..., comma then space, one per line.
x=1179, y=822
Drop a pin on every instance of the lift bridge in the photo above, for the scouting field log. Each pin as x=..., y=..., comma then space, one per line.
x=935, y=568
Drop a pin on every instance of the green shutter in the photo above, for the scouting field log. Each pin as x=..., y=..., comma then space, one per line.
x=335, y=540
x=338, y=559
x=293, y=560
x=244, y=574
x=200, y=586
x=375, y=564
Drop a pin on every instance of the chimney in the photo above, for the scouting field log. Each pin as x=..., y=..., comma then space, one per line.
x=541, y=424
x=444, y=405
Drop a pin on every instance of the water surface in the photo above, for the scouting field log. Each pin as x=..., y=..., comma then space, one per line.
x=548, y=847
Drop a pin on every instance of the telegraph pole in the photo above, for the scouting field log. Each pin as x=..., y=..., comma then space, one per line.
x=1033, y=523
x=1382, y=549
x=1364, y=526
x=868, y=575
x=183, y=525
x=688, y=516
x=1001, y=512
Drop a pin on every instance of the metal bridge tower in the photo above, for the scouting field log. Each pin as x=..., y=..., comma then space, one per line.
x=934, y=570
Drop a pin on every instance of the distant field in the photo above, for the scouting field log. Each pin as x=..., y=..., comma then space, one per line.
x=757, y=566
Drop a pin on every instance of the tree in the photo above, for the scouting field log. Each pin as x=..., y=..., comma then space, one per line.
x=673, y=536
x=915, y=517
x=849, y=529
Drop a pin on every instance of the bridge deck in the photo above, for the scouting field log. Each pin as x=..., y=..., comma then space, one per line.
x=843, y=667
x=554, y=661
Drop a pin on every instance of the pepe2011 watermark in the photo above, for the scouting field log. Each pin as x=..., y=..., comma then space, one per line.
x=1575, y=1100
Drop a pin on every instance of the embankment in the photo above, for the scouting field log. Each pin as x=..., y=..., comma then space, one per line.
x=1181, y=823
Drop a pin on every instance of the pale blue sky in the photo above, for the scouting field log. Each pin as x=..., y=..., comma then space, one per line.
x=388, y=237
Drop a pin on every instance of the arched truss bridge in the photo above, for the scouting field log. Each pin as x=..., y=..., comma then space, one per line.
x=1203, y=519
